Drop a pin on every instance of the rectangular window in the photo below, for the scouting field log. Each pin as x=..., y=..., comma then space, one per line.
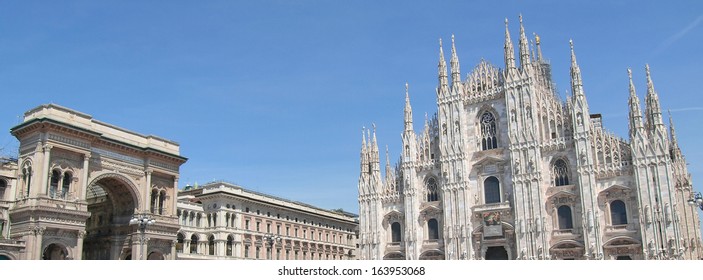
x=296, y=232
x=246, y=224
x=287, y=231
x=278, y=229
x=268, y=228
x=305, y=234
x=258, y=226
x=258, y=252
x=246, y=251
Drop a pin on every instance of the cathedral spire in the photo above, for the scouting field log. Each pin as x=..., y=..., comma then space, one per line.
x=442, y=71
x=524, y=47
x=509, y=51
x=408, y=111
x=374, y=144
x=634, y=104
x=653, y=110
x=576, y=82
x=539, y=48
x=456, y=73
x=674, y=148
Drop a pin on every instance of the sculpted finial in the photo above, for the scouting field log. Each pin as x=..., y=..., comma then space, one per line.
x=571, y=44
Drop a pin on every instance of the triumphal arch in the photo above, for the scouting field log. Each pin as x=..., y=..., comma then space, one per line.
x=81, y=181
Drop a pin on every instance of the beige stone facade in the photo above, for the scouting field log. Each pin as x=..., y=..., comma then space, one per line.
x=78, y=185
x=507, y=170
x=225, y=221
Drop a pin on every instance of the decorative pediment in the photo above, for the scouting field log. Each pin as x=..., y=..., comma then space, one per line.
x=490, y=157
x=621, y=241
x=393, y=215
x=430, y=211
x=615, y=192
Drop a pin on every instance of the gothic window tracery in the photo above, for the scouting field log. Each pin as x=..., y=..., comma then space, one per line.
x=561, y=173
x=431, y=188
x=488, y=131
x=491, y=189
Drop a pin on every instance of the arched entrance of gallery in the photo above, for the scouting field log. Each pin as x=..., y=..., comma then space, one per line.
x=54, y=251
x=112, y=199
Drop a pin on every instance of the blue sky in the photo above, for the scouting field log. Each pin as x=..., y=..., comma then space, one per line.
x=272, y=95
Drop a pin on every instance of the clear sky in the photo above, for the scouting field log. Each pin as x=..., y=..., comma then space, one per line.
x=272, y=95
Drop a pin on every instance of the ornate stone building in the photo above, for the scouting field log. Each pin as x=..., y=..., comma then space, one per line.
x=225, y=221
x=507, y=170
x=78, y=185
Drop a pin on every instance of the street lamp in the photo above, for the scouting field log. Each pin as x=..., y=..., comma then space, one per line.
x=697, y=200
x=271, y=239
x=142, y=220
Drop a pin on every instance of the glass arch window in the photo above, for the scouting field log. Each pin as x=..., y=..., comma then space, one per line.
x=491, y=189
x=3, y=186
x=618, y=213
x=66, y=184
x=487, y=124
x=432, y=192
x=395, y=232
x=54, y=184
x=432, y=229
x=561, y=173
x=194, y=244
x=564, y=217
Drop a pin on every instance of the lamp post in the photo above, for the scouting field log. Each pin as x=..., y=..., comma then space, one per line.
x=697, y=200
x=271, y=239
x=142, y=221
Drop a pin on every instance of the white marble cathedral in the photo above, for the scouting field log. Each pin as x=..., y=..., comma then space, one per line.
x=507, y=170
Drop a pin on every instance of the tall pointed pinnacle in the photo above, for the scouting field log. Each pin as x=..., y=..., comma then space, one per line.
x=509, y=51
x=674, y=149
x=653, y=110
x=364, y=152
x=672, y=130
x=442, y=70
x=408, y=111
x=374, y=144
x=456, y=72
x=388, y=163
x=524, y=47
x=576, y=82
x=634, y=104
x=539, y=48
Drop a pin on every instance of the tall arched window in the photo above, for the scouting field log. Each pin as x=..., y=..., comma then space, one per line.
x=180, y=240
x=488, y=131
x=491, y=189
x=432, y=193
x=230, y=244
x=561, y=173
x=618, y=213
x=194, y=244
x=162, y=198
x=395, y=232
x=211, y=245
x=432, y=229
x=54, y=184
x=3, y=186
x=564, y=216
x=27, y=177
x=66, y=184
x=154, y=200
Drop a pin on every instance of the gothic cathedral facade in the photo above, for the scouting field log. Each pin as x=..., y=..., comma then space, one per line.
x=507, y=170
